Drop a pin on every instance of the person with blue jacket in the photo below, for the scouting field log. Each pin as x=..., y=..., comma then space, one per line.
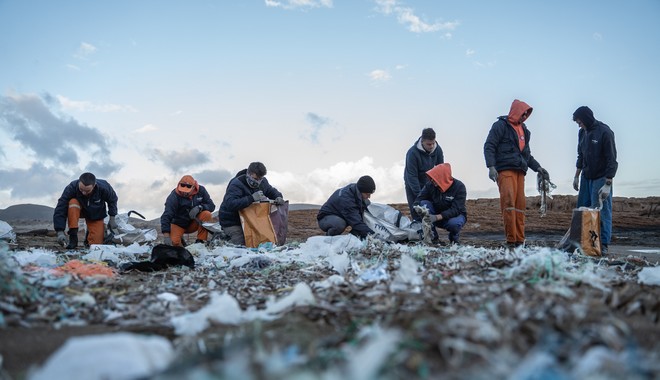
x=596, y=167
x=508, y=156
x=187, y=207
x=444, y=197
x=247, y=187
x=346, y=207
x=421, y=157
x=90, y=198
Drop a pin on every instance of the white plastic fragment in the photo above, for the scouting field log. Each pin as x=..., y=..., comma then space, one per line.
x=110, y=356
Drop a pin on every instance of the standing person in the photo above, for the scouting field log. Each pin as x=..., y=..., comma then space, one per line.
x=186, y=208
x=596, y=167
x=444, y=196
x=508, y=156
x=421, y=157
x=346, y=207
x=243, y=190
x=87, y=197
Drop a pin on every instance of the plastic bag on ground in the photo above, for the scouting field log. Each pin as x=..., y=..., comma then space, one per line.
x=7, y=232
x=389, y=223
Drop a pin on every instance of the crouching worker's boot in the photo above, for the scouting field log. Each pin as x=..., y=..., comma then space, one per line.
x=73, y=238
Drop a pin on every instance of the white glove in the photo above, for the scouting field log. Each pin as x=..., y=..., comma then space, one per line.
x=279, y=201
x=61, y=238
x=576, y=183
x=434, y=218
x=258, y=196
x=112, y=223
x=492, y=173
x=604, y=192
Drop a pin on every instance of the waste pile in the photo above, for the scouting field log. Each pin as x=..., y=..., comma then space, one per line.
x=338, y=307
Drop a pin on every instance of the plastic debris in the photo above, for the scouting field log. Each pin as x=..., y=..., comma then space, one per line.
x=111, y=356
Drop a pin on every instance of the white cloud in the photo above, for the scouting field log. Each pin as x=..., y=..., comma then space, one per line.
x=470, y=52
x=73, y=67
x=87, y=106
x=597, y=36
x=84, y=50
x=146, y=128
x=400, y=67
x=295, y=4
x=380, y=76
x=414, y=23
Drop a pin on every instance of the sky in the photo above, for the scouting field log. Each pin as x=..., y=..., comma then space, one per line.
x=321, y=91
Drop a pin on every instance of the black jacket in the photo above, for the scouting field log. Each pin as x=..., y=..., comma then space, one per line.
x=178, y=207
x=418, y=162
x=347, y=203
x=501, y=148
x=93, y=207
x=239, y=196
x=596, y=154
x=450, y=203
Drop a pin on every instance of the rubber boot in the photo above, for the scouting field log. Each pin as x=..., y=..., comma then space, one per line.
x=73, y=238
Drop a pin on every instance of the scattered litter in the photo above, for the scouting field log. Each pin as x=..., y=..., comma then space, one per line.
x=84, y=270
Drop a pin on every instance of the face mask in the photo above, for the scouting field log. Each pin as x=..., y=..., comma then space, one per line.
x=253, y=183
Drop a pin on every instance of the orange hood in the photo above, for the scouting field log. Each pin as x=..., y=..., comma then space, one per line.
x=184, y=191
x=441, y=176
x=518, y=107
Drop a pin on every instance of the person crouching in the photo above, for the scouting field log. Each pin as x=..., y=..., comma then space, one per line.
x=186, y=208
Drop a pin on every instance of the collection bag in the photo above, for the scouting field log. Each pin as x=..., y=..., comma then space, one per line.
x=265, y=222
x=584, y=232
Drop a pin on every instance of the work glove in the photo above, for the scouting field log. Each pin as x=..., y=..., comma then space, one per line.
x=167, y=240
x=604, y=192
x=367, y=202
x=61, y=238
x=544, y=174
x=492, y=173
x=258, y=196
x=194, y=211
x=279, y=201
x=112, y=223
x=576, y=183
x=434, y=218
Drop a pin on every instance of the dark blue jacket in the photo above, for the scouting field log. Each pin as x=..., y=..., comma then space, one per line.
x=450, y=203
x=418, y=162
x=502, y=150
x=92, y=207
x=177, y=208
x=597, y=151
x=347, y=203
x=239, y=196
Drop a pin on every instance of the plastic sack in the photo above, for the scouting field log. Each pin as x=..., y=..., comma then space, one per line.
x=265, y=222
x=584, y=232
x=389, y=223
x=7, y=232
x=127, y=234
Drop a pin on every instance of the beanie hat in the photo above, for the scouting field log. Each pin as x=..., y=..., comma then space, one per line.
x=366, y=184
x=585, y=115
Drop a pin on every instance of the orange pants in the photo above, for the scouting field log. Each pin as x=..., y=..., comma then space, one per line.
x=512, y=204
x=176, y=232
x=96, y=228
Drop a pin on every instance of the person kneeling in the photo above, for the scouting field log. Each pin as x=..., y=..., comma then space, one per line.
x=186, y=208
x=444, y=197
x=346, y=207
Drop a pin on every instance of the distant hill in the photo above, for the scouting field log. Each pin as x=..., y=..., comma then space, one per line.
x=45, y=213
x=27, y=212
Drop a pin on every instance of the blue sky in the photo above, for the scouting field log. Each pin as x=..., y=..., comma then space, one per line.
x=322, y=92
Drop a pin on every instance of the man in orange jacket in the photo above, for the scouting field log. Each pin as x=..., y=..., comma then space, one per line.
x=186, y=208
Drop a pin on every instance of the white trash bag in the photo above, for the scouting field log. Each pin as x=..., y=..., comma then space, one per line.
x=390, y=224
x=128, y=234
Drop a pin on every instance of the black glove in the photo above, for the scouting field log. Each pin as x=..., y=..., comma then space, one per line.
x=194, y=211
x=544, y=174
x=167, y=240
x=576, y=183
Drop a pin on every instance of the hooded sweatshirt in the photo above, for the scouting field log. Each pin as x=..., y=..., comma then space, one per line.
x=418, y=161
x=446, y=193
x=181, y=200
x=507, y=144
